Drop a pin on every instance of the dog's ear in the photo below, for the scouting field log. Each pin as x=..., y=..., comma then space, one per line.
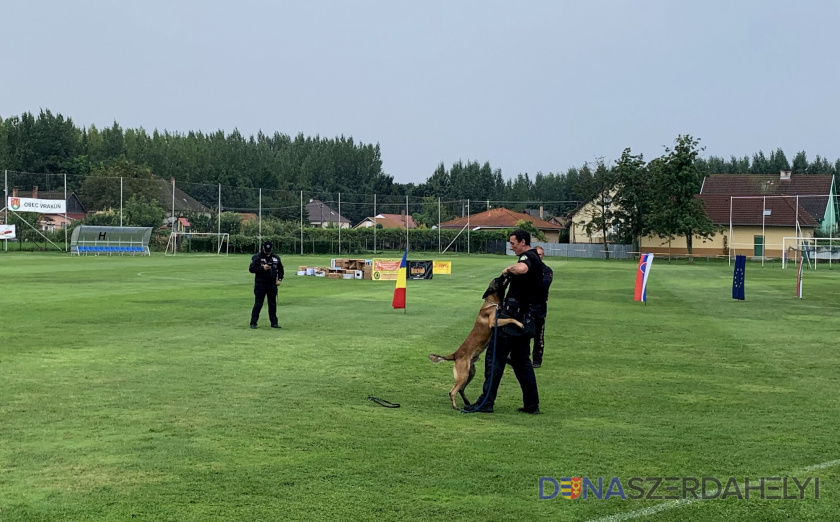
x=488, y=292
x=494, y=288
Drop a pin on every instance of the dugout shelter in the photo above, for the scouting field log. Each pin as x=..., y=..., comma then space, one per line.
x=98, y=240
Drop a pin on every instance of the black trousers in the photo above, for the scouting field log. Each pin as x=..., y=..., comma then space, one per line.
x=518, y=348
x=539, y=340
x=260, y=293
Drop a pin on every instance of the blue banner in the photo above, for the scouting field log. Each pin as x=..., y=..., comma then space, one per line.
x=738, y=277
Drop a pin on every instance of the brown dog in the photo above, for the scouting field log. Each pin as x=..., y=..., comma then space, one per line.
x=475, y=343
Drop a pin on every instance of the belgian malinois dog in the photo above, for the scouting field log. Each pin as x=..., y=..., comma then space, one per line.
x=469, y=351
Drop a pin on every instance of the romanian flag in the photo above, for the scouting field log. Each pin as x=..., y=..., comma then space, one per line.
x=399, y=291
x=645, y=261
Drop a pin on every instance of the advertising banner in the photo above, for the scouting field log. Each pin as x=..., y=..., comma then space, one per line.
x=420, y=269
x=443, y=268
x=7, y=231
x=386, y=269
x=41, y=206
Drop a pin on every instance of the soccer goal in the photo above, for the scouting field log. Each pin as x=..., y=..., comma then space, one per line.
x=192, y=241
x=811, y=249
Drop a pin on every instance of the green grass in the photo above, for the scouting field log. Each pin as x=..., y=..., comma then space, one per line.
x=132, y=388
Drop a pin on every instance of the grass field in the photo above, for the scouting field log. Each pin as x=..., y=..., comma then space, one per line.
x=132, y=388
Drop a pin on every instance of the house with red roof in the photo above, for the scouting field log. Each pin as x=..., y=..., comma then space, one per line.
x=388, y=221
x=756, y=212
x=504, y=219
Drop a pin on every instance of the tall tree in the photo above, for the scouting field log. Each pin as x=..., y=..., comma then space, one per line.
x=601, y=214
x=632, y=198
x=800, y=163
x=676, y=180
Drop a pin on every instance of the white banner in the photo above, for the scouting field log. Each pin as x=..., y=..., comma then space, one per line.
x=7, y=231
x=42, y=206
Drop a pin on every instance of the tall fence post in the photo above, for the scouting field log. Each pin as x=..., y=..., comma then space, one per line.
x=6, y=205
x=173, y=212
x=66, y=220
x=301, y=222
x=339, y=223
x=374, y=223
x=468, y=227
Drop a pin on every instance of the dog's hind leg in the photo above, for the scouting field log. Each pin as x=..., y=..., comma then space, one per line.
x=462, y=378
x=469, y=380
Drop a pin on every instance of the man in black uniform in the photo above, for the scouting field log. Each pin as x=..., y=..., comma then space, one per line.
x=539, y=310
x=268, y=272
x=523, y=292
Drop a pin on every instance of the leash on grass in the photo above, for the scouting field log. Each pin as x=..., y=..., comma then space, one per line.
x=492, y=365
x=383, y=402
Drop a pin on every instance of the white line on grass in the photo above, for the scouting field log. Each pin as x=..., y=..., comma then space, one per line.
x=619, y=517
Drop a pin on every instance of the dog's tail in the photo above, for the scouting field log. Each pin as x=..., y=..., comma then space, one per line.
x=440, y=358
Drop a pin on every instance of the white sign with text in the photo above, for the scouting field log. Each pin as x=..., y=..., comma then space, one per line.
x=42, y=206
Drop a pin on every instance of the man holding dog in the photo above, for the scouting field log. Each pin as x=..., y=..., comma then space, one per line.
x=524, y=291
x=268, y=272
x=539, y=310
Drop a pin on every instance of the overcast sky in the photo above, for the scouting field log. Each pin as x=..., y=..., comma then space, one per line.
x=527, y=86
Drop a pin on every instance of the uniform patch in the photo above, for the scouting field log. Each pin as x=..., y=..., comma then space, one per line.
x=523, y=257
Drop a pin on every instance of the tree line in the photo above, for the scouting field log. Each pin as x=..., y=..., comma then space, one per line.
x=52, y=143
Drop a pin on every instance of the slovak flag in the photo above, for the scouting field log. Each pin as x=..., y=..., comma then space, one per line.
x=645, y=261
x=399, y=290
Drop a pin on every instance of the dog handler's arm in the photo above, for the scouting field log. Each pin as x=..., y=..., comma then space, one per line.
x=519, y=268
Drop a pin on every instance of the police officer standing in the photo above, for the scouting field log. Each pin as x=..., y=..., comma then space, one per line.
x=268, y=272
x=539, y=311
x=524, y=290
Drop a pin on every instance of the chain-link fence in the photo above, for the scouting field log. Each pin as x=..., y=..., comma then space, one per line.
x=299, y=221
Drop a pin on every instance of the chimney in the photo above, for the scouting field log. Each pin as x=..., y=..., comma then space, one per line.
x=541, y=212
x=14, y=192
x=784, y=175
x=35, y=192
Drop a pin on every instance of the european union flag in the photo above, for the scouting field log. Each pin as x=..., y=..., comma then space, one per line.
x=738, y=277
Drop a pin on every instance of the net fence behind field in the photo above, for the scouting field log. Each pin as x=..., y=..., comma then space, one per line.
x=300, y=221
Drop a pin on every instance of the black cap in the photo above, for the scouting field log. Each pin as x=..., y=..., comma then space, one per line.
x=266, y=247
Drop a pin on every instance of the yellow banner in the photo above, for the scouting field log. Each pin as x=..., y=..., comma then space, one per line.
x=386, y=269
x=442, y=267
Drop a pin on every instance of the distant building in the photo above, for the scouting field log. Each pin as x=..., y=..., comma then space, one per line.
x=388, y=221
x=322, y=216
x=759, y=219
x=502, y=219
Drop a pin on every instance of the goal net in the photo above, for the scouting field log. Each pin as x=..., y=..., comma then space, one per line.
x=812, y=250
x=205, y=242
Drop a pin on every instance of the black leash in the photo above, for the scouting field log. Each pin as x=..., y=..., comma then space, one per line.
x=383, y=402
